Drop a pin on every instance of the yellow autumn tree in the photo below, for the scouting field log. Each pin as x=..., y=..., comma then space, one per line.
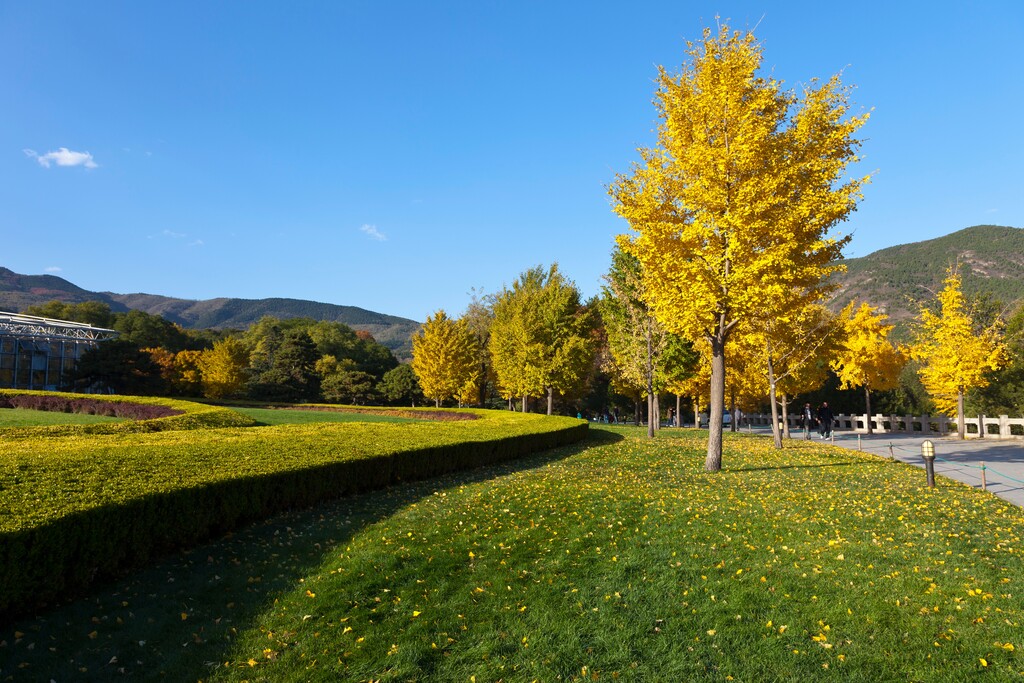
x=223, y=368
x=734, y=206
x=955, y=357
x=444, y=358
x=866, y=357
x=792, y=353
x=189, y=380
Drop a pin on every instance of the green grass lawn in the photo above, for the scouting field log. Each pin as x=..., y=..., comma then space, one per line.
x=276, y=416
x=20, y=417
x=617, y=560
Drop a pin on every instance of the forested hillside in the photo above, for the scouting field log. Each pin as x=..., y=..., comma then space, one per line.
x=898, y=279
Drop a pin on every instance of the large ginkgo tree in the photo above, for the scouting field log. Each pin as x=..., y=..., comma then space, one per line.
x=732, y=210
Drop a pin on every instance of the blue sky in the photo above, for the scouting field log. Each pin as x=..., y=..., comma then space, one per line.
x=397, y=155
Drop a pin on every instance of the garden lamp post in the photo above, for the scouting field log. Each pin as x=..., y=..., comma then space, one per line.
x=928, y=453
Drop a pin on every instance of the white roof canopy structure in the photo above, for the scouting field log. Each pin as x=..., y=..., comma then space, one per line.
x=19, y=325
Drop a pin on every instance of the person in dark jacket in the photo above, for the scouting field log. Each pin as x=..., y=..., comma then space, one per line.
x=825, y=419
x=808, y=419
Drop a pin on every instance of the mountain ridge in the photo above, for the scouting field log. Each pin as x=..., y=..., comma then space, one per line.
x=17, y=292
x=896, y=279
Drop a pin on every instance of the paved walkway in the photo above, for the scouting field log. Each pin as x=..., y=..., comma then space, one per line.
x=960, y=460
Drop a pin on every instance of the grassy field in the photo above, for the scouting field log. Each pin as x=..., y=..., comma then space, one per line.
x=20, y=417
x=617, y=560
x=274, y=416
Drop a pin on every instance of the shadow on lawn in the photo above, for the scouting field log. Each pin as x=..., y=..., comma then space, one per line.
x=177, y=620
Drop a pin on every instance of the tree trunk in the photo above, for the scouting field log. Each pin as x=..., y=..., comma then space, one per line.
x=551, y=399
x=867, y=400
x=696, y=413
x=482, y=389
x=776, y=429
x=650, y=416
x=437, y=403
x=785, y=415
x=961, y=428
x=657, y=412
x=679, y=415
x=524, y=403
x=713, y=462
x=652, y=400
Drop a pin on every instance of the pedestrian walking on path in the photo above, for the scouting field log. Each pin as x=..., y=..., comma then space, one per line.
x=825, y=420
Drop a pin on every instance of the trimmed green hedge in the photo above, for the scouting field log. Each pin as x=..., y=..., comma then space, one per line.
x=85, y=506
x=170, y=414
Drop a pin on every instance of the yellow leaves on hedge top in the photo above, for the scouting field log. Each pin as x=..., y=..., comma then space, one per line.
x=47, y=477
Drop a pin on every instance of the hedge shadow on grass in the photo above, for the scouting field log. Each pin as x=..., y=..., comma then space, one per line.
x=177, y=619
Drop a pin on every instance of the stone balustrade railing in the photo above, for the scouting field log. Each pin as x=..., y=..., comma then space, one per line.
x=1002, y=427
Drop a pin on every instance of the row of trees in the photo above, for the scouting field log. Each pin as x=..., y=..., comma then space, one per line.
x=293, y=360
x=535, y=339
x=730, y=257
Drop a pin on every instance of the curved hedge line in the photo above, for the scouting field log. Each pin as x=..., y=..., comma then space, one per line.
x=80, y=507
x=142, y=413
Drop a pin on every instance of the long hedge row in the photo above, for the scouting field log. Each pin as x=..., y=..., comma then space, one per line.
x=141, y=414
x=80, y=507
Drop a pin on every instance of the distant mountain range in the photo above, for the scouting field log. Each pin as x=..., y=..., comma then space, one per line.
x=17, y=292
x=897, y=280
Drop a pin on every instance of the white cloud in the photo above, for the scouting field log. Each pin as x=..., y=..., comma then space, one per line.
x=53, y=269
x=373, y=232
x=196, y=243
x=62, y=157
x=175, y=235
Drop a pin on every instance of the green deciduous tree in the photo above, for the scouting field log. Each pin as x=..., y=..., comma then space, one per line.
x=636, y=340
x=400, y=386
x=732, y=209
x=540, y=338
x=119, y=366
x=95, y=313
x=292, y=375
x=353, y=387
x=147, y=330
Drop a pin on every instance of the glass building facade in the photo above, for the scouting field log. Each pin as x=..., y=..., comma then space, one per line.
x=41, y=353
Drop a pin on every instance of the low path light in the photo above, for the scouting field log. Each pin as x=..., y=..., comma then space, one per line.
x=928, y=453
